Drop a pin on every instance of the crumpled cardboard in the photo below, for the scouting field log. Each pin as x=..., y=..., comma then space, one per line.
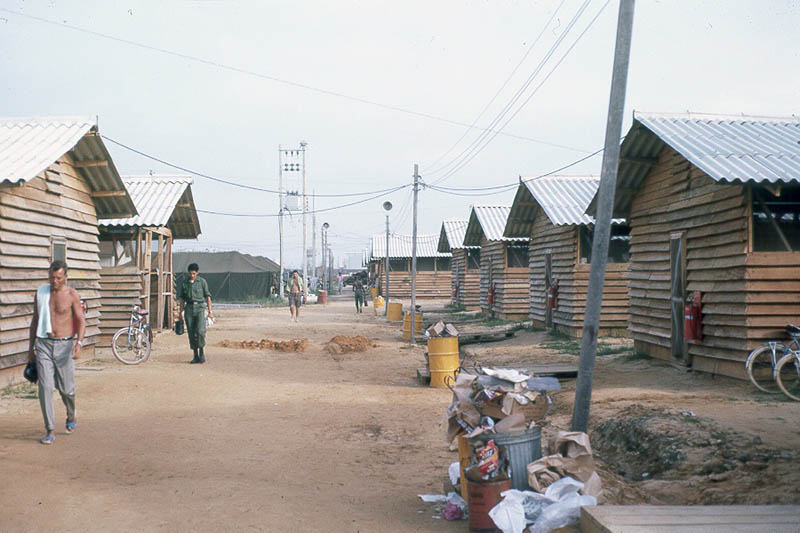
x=572, y=457
x=462, y=411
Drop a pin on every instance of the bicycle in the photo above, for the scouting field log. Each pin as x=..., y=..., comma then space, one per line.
x=131, y=345
x=787, y=374
x=762, y=361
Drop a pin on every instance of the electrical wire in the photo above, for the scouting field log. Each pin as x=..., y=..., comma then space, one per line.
x=503, y=86
x=476, y=143
x=233, y=183
x=275, y=79
x=307, y=212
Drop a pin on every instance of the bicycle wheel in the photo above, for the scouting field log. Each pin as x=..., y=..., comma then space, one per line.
x=130, y=350
x=760, y=365
x=787, y=375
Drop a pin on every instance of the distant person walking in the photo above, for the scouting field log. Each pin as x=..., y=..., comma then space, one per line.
x=57, y=318
x=358, y=289
x=340, y=279
x=295, y=295
x=194, y=298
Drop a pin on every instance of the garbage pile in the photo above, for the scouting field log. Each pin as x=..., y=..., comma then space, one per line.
x=440, y=329
x=497, y=400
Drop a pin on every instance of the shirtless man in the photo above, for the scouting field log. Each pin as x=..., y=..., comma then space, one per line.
x=295, y=295
x=57, y=318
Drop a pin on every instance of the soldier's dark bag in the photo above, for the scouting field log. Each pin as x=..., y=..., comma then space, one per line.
x=179, y=327
x=31, y=373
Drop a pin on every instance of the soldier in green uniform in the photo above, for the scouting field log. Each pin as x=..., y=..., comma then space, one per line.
x=195, y=298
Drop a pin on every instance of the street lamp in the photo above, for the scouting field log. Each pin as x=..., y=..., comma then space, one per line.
x=387, y=206
x=325, y=227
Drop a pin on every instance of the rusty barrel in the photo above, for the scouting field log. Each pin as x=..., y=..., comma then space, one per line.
x=322, y=297
x=407, y=325
x=481, y=497
x=373, y=292
x=394, y=313
x=442, y=359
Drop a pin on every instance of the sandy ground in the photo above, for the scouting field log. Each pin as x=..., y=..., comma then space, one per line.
x=329, y=440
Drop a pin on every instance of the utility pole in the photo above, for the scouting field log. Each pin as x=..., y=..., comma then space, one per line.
x=602, y=223
x=303, y=145
x=313, y=234
x=387, y=206
x=280, y=218
x=412, y=332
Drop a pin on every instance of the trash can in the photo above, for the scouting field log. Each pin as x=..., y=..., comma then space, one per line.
x=520, y=448
x=442, y=359
x=407, y=325
x=482, y=496
x=322, y=297
x=394, y=313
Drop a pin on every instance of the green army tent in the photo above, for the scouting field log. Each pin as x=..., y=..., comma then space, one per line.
x=231, y=276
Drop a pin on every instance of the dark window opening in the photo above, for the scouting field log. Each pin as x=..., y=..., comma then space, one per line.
x=58, y=249
x=776, y=219
x=443, y=263
x=398, y=265
x=517, y=255
x=474, y=259
x=619, y=245
x=425, y=264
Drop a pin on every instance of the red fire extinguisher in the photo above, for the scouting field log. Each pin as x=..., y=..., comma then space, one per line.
x=552, y=295
x=491, y=294
x=693, y=318
x=455, y=291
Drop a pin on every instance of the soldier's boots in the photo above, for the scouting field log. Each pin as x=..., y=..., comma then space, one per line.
x=196, y=358
x=202, y=358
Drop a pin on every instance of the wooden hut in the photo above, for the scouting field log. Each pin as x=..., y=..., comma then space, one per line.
x=504, y=275
x=550, y=211
x=465, y=267
x=433, y=267
x=713, y=203
x=56, y=180
x=136, y=252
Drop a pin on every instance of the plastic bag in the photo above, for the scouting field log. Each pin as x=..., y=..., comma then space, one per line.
x=517, y=509
x=563, y=513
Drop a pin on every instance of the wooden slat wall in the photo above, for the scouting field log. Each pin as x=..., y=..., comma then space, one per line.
x=573, y=279
x=55, y=203
x=511, y=299
x=120, y=290
x=430, y=284
x=674, y=197
x=469, y=282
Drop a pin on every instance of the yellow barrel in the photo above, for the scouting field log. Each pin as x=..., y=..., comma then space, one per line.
x=443, y=359
x=395, y=312
x=373, y=292
x=407, y=325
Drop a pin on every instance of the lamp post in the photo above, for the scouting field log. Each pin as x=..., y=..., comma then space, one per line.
x=325, y=227
x=387, y=206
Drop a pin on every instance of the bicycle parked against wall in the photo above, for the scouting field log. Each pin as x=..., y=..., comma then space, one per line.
x=787, y=374
x=131, y=345
x=762, y=363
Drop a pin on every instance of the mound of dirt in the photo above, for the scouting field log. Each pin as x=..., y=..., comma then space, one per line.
x=678, y=458
x=344, y=344
x=294, y=345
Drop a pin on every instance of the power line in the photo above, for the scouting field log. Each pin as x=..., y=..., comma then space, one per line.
x=275, y=79
x=232, y=183
x=463, y=157
x=503, y=86
x=308, y=212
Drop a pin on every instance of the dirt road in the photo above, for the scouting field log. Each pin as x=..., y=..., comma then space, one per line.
x=324, y=440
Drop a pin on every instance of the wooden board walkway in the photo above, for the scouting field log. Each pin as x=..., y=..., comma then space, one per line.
x=690, y=518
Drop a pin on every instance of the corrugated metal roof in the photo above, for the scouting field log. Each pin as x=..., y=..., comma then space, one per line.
x=727, y=148
x=28, y=146
x=451, y=235
x=161, y=201
x=488, y=221
x=564, y=200
x=400, y=246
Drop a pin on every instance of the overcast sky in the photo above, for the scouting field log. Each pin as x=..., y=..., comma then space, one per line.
x=374, y=87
